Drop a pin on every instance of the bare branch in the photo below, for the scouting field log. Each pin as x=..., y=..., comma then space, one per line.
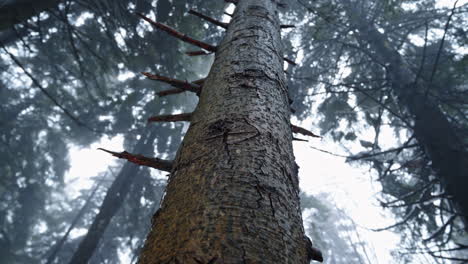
x=160, y=164
x=179, y=35
x=197, y=53
x=290, y=61
x=209, y=19
x=171, y=118
x=303, y=131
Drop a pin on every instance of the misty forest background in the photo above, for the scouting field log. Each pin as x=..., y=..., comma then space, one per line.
x=70, y=76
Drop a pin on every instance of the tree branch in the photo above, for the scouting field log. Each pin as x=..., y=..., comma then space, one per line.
x=183, y=85
x=303, y=131
x=209, y=19
x=197, y=53
x=179, y=35
x=290, y=61
x=171, y=118
x=160, y=164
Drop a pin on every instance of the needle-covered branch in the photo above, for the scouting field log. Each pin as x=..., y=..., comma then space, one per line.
x=183, y=85
x=179, y=35
x=160, y=164
x=171, y=118
x=303, y=131
x=209, y=19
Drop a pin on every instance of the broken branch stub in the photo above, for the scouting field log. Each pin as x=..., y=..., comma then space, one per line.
x=171, y=118
x=303, y=131
x=209, y=19
x=184, y=85
x=160, y=164
x=179, y=35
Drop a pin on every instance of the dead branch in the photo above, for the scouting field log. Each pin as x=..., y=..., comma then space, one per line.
x=209, y=19
x=197, y=53
x=160, y=164
x=287, y=26
x=290, y=61
x=300, y=139
x=199, y=81
x=183, y=85
x=303, y=131
x=171, y=118
x=179, y=35
x=170, y=92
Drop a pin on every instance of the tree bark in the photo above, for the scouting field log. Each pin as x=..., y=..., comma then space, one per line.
x=432, y=129
x=233, y=194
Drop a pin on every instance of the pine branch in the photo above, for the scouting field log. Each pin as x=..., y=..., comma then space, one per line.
x=179, y=35
x=47, y=93
x=171, y=118
x=303, y=131
x=183, y=85
x=209, y=19
x=160, y=164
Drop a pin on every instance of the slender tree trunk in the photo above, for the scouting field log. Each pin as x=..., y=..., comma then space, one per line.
x=233, y=194
x=432, y=129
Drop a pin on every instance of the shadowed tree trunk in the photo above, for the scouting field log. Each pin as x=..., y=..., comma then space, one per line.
x=431, y=127
x=233, y=194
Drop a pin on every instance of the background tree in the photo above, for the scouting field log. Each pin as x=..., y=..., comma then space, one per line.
x=370, y=72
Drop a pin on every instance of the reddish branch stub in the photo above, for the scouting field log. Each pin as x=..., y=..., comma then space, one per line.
x=178, y=35
x=160, y=164
x=303, y=131
x=171, y=118
x=184, y=85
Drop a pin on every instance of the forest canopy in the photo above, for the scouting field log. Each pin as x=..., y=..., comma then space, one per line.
x=384, y=82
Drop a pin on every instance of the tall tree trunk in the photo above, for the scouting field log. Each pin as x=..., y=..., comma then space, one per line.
x=432, y=129
x=233, y=194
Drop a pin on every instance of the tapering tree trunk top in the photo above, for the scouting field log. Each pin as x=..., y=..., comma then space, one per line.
x=232, y=196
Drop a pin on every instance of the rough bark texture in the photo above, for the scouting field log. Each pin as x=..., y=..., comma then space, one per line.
x=232, y=196
x=432, y=129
